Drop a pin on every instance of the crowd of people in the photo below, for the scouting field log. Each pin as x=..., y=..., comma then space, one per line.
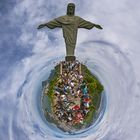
x=71, y=95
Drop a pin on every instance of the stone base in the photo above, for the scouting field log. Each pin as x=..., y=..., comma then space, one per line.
x=70, y=58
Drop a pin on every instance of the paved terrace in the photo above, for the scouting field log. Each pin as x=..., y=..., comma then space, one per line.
x=71, y=97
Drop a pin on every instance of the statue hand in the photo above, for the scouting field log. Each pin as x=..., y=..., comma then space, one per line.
x=40, y=26
x=98, y=26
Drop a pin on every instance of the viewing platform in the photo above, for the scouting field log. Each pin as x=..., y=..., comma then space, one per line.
x=72, y=92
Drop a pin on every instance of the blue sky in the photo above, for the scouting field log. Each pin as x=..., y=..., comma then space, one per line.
x=24, y=49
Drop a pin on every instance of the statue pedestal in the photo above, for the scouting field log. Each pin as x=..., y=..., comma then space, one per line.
x=70, y=58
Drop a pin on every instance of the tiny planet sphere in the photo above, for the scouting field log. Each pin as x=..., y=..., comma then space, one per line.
x=71, y=96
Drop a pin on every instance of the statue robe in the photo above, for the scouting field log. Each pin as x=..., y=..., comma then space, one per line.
x=70, y=25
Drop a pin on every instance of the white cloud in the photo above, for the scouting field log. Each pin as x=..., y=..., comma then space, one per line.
x=120, y=20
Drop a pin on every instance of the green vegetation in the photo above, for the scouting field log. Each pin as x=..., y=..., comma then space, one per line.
x=95, y=90
x=53, y=79
x=88, y=120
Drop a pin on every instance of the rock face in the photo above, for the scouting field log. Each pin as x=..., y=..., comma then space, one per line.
x=71, y=96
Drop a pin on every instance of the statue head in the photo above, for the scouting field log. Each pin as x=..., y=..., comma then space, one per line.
x=71, y=9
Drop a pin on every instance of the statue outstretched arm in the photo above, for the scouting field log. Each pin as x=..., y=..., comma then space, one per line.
x=87, y=24
x=51, y=24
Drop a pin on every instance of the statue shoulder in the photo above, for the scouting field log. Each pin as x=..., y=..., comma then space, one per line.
x=77, y=17
x=61, y=18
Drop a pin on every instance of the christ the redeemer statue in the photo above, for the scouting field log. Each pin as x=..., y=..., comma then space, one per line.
x=70, y=24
